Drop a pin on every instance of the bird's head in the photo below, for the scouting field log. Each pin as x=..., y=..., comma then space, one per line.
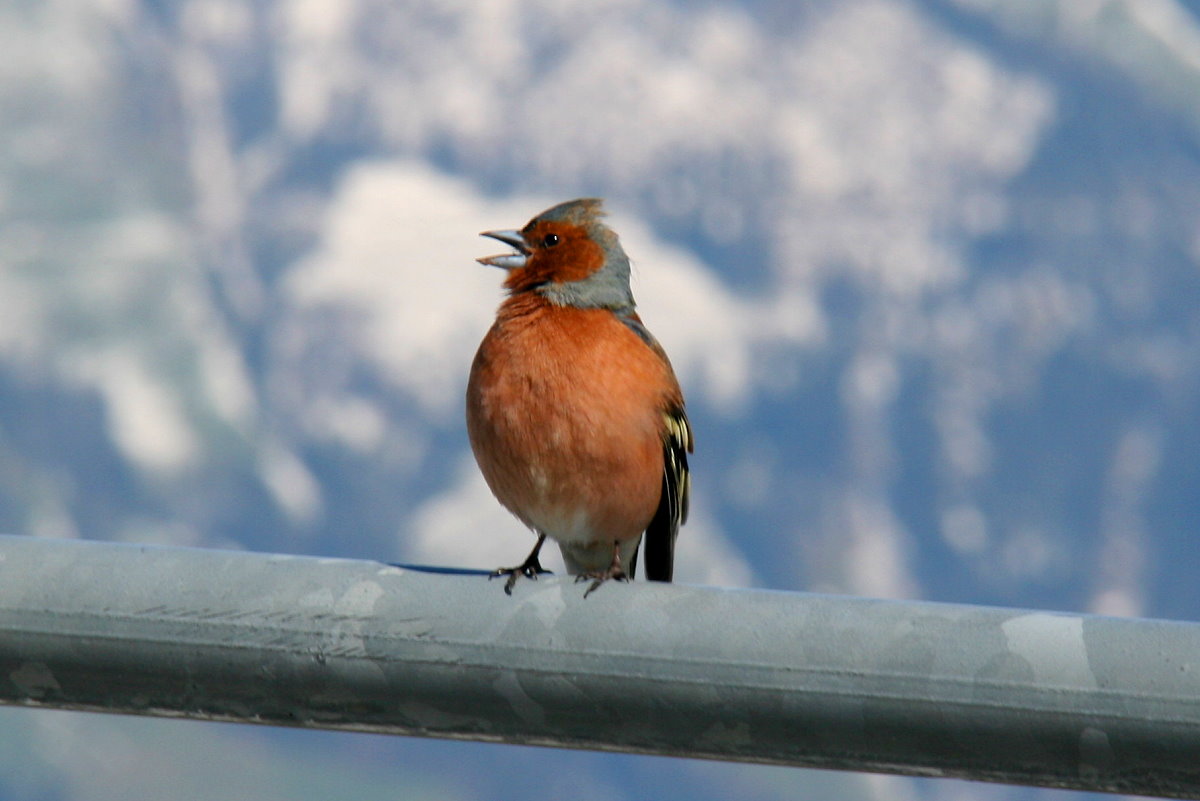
x=568, y=255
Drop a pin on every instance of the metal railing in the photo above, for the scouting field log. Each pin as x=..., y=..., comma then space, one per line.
x=924, y=689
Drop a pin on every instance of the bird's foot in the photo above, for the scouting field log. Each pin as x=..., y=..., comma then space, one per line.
x=615, y=572
x=530, y=569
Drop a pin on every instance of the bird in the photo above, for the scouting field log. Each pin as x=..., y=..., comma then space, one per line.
x=573, y=410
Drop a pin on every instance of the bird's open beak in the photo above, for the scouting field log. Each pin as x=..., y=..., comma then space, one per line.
x=509, y=261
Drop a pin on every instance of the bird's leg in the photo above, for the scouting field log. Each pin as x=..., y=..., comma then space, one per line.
x=614, y=571
x=530, y=568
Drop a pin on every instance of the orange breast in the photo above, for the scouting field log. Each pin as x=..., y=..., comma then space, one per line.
x=564, y=412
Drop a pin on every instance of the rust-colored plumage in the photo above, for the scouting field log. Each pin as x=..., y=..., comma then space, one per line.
x=574, y=413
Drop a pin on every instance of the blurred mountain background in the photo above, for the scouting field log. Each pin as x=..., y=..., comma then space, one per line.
x=929, y=273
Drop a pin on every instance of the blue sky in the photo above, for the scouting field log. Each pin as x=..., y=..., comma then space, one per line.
x=929, y=273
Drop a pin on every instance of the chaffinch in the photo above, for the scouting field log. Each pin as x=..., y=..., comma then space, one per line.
x=574, y=413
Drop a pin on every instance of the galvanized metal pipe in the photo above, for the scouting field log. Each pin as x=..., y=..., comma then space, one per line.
x=917, y=688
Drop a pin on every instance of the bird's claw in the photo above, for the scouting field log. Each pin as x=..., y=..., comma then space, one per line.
x=530, y=569
x=616, y=573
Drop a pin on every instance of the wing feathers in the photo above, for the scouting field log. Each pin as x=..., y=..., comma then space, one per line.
x=672, y=509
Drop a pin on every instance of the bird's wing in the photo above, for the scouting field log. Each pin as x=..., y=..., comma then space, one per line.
x=672, y=509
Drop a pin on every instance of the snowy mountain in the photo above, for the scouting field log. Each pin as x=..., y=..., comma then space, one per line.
x=928, y=271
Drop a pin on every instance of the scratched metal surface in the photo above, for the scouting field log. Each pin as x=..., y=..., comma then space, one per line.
x=925, y=689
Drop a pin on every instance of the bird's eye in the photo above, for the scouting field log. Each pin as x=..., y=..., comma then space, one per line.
x=549, y=240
